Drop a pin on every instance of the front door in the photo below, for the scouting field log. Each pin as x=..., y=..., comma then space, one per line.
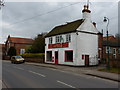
x=86, y=60
x=56, y=57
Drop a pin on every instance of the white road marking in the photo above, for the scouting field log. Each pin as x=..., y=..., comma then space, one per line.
x=52, y=69
x=19, y=68
x=65, y=84
x=37, y=73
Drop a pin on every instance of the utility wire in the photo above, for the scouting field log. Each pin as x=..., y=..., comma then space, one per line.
x=49, y=13
x=42, y=14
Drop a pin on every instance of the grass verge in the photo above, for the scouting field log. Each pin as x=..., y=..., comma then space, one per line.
x=111, y=70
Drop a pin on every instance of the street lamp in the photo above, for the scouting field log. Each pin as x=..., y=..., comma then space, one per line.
x=108, y=59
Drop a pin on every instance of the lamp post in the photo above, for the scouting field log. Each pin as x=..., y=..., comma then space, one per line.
x=108, y=59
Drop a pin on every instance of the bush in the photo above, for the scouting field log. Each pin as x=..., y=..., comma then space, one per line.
x=33, y=55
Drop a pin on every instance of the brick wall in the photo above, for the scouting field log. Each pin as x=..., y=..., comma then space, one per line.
x=21, y=46
x=100, y=46
x=37, y=60
x=114, y=62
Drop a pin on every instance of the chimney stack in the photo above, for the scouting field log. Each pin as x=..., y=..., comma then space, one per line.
x=86, y=12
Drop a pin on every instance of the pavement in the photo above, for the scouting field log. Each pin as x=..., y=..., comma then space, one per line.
x=93, y=71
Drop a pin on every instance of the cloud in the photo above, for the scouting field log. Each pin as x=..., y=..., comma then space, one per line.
x=16, y=16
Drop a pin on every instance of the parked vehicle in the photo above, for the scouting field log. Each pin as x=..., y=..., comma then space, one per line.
x=17, y=59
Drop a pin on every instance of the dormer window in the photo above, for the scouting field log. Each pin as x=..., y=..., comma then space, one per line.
x=50, y=40
x=68, y=38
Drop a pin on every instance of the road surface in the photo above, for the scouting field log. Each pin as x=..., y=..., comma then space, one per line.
x=30, y=76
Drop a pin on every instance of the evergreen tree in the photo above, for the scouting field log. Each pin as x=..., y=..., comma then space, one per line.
x=12, y=51
x=38, y=44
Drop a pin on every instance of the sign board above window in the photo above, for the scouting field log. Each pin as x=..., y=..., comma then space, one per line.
x=59, y=45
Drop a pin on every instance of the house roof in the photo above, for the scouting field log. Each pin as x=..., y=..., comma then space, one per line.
x=66, y=28
x=2, y=45
x=110, y=38
x=20, y=40
x=112, y=41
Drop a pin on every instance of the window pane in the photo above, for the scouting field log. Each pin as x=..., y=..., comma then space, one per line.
x=114, y=51
x=69, y=55
x=68, y=38
x=22, y=51
x=60, y=38
x=119, y=51
x=49, y=55
x=56, y=39
x=50, y=40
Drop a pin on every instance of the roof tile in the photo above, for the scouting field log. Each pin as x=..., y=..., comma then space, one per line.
x=21, y=40
x=67, y=28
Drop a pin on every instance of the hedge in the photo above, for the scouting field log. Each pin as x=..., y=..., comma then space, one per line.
x=33, y=55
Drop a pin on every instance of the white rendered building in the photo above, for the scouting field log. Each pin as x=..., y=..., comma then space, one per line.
x=75, y=43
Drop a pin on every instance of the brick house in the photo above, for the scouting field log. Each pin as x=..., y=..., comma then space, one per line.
x=2, y=46
x=20, y=44
x=0, y=50
x=114, y=48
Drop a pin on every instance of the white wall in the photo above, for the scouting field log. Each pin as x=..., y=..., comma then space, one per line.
x=87, y=26
x=61, y=51
x=88, y=45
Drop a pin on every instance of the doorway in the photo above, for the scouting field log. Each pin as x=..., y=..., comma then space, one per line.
x=56, y=57
x=86, y=60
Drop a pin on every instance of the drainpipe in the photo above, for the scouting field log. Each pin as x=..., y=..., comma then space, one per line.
x=76, y=56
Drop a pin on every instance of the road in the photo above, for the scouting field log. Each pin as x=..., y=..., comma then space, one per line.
x=30, y=76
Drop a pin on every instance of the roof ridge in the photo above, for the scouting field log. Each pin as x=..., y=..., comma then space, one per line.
x=69, y=22
x=21, y=38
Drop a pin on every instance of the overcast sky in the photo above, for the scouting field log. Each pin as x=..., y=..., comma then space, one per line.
x=27, y=19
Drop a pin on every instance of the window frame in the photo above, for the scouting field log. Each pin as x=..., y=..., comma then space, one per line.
x=110, y=49
x=47, y=56
x=118, y=50
x=22, y=51
x=66, y=56
x=114, y=53
x=58, y=39
x=68, y=37
x=50, y=40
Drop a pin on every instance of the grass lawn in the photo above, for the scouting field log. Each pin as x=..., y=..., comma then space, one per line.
x=112, y=70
